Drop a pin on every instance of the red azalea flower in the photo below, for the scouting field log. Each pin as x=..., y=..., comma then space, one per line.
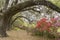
x=43, y=24
x=43, y=19
x=44, y=28
x=38, y=24
x=49, y=24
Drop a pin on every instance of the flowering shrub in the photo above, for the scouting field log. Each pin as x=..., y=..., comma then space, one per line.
x=45, y=25
x=57, y=24
x=49, y=28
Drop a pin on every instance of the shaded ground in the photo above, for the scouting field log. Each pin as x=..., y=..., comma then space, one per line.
x=21, y=35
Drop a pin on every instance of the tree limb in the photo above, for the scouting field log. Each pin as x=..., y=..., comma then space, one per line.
x=19, y=17
x=26, y=9
x=17, y=8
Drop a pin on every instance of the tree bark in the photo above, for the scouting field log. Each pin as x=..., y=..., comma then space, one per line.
x=5, y=25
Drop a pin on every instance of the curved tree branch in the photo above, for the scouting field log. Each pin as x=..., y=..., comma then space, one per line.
x=50, y=5
x=17, y=8
x=26, y=9
x=19, y=17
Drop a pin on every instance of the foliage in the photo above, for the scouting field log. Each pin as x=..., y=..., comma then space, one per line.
x=48, y=28
x=43, y=25
x=56, y=2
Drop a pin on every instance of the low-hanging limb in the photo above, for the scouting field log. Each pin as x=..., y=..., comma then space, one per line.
x=20, y=17
x=22, y=27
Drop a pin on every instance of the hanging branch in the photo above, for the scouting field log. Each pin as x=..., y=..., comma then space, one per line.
x=20, y=17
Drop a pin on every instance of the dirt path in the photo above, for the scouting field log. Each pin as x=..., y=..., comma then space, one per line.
x=21, y=35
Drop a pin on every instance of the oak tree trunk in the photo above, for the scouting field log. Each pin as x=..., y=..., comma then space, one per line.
x=5, y=24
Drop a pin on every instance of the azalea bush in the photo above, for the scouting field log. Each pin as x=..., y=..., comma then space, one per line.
x=48, y=26
x=43, y=25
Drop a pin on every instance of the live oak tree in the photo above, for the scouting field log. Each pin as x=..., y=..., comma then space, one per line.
x=9, y=12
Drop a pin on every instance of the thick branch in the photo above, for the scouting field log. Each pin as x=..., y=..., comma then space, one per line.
x=17, y=8
x=50, y=5
x=33, y=9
